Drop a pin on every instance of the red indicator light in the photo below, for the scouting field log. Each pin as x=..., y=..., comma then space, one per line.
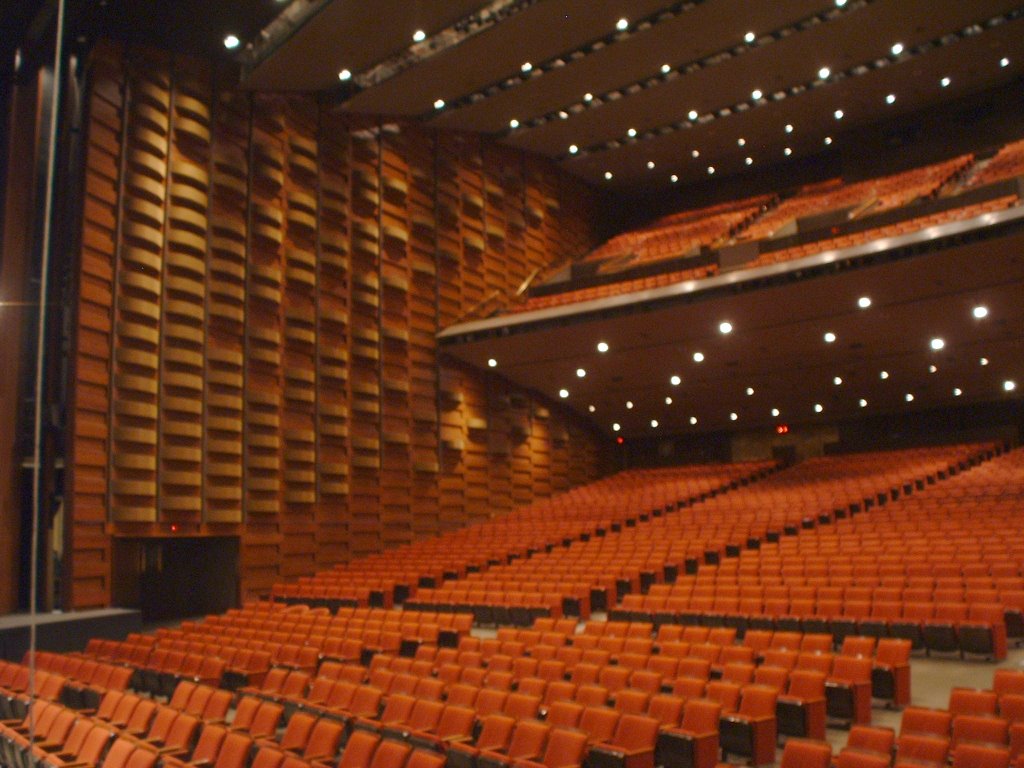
x=782, y=429
x=620, y=440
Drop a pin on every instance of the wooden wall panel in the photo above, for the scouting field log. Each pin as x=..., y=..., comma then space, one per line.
x=263, y=282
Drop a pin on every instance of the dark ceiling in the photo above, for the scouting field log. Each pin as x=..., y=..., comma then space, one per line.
x=668, y=59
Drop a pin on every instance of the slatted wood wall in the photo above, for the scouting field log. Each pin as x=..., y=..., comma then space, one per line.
x=255, y=355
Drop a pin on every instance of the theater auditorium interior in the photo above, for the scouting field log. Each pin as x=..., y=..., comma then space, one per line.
x=423, y=383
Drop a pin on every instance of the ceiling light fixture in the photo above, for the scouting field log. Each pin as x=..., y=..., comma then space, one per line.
x=787, y=151
x=862, y=403
x=775, y=412
x=789, y=127
x=748, y=160
x=980, y=312
x=673, y=178
x=345, y=74
x=693, y=419
x=591, y=408
x=983, y=361
x=1009, y=385
x=897, y=49
x=733, y=416
x=711, y=170
x=616, y=427
x=944, y=82
x=693, y=114
x=957, y=391
x=675, y=380
x=818, y=408
x=668, y=401
x=840, y=3
x=824, y=73
x=492, y=363
x=580, y=373
x=741, y=142
x=750, y=391
x=588, y=97
x=695, y=154
x=749, y=37
x=231, y=42
x=756, y=94
x=829, y=337
x=937, y=344
x=838, y=114
x=650, y=165
x=629, y=405
x=602, y=346
x=864, y=302
x=890, y=99
x=1004, y=62
x=439, y=104
x=837, y=380
x=419, y=36
x=573, y=149
x=526, y=66
x=622, y=24
x=513, y=123
x=654, y=423
x=933, y=369
x=665, y=69
x=563, y=393
x=725, y=327
x=828, y=140
x=631, y=132
x=908, y=397
x=608, y=175
x=563, y=114
x=698, y=357
x=883, y=375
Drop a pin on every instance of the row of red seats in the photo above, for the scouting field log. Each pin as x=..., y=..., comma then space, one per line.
x=86, y=680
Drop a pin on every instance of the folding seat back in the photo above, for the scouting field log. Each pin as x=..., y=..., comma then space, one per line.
x=389, y=754
x=631, y=701
x=599, y=723
x=858, y=645
x=565, y=748
x=870, y=738
x=613, y=678
x=968, y=701
x=234, y=751
x=695, y=742
x=695, y=668
x=108, y=705
x=802, y=753
x=592, y=695
x=423, y=758
x=495, y=732
x=296, y=733
x=979, y=756
x=397, y=709
x=123, y=713
x=265, y=720
x=818, y=662
x=359, y=749
x=217, y=706
x=142, y=716
x=425, y=715
x=921, y=720
x=980, y=729
x=776, y=677
x=528, y=740
x=520, y=706
x=780, y=658
x=118, y=754
x=1006, y=681
x=490, y=702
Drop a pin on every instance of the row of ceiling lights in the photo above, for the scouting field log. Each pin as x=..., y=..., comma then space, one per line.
x=979, y=312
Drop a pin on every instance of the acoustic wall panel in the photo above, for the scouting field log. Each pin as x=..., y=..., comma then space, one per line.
x=262, y=284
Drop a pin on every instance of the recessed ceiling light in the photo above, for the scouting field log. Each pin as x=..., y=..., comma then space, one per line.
x=748, y=160
x=897, y=49
x=741, y=141
x=829, y=337
x=711, y=170
x=563, y=114
x=631, y=132
x=937, y=344
x=650, y=165
x=883, y=375
x=725, y=327
x=818, y=408
x=676, y=380
x=787, y=151
x=654, y=423
x=840, y=3
x=828, y=140
x=733, y=416
x=668, y=401
x=492, y=363
x=1009, y=385
x=695, y=154
x=864, y=302
x=419, y=36
x=629, y=405
x=824, y=73
x=756, y=94
x=563, y=393
x=588, y=97
x=693, y=419
x=665, y=69
x=944, y=82
x=838, y=114
x=862, y=403
x=345, y=74
x=890, y=99
x=231, y=42
x=573, y=149
x=693, y=114
x=591, y=408
x=439, y=104
x=698, y=357
x=980, y=311
x=622, y=24
x=616, y=427
x=908, y=397
x=789, y=127
x=526, y=66
x=1004, y=62
x=750, y=391
x=957, y=391
x=749, y=37
x=673, y=178
x=602, y=346
x=932, y=369
x=775, y=412
x=837, y=380
x=580, y=373
x=513, y=123
x=608, y=175
x=983, y=361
